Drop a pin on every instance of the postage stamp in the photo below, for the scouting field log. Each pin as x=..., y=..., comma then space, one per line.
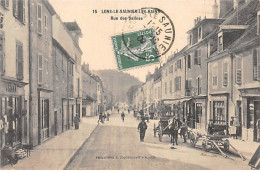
x=135, y=49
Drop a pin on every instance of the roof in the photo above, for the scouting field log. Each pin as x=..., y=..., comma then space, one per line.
x=72, y=26
x=223, y=27
x=205, y=21
x=241, y=15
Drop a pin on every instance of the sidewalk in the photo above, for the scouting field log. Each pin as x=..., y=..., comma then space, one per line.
x=246, y=148
x=56, y=153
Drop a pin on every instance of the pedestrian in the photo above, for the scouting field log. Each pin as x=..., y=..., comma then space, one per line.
x=123, y=116
x=100, y=118
x=141, y=129
x=104, y=117
x=118, y=111
x=76, y=121
x=174, y=127
x=128, y=110
x=108, y=116
x=184, y=130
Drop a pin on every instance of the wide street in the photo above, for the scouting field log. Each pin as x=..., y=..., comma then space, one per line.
x=115, y=145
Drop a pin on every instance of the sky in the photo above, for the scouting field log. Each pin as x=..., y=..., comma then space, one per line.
x=97, y=29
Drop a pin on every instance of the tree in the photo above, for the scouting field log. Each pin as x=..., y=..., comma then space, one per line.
x=130, y=93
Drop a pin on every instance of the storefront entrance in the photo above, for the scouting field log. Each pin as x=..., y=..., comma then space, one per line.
x=257, y=121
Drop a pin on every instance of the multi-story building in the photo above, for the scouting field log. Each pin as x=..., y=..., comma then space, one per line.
x=196, y=70
x=14, y=72
x=89, y=92
x=75, y=32
x=65, y=50
x=233, y=76
x=41, y=71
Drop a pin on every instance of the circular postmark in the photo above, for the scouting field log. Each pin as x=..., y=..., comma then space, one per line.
x=155, y=33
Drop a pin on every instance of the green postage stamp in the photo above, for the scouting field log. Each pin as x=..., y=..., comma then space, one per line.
x=135, y=49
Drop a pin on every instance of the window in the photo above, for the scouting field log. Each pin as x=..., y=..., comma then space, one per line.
x=39, y=19
x=238, y=70
x=171, y=87
x=256, y=66
x=5, y=4
x=197, y=57
x=189, y=61
x=19, y=10
x=225, y=74
x=198, y=112
x=171, y=69
x=165, y=88
x=220, y=43
x=178, y=83
x=179, y=64
x=199, y=81
x=176, y=66
x=45, y=25
x=200, y=33
x=190, y=39
x=40, y=69
x=258, y=22
x=76, y=62
x=215, y=75
x=19, y=60
x=2, y=54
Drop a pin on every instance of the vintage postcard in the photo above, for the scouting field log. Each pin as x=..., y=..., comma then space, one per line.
x=129, y=84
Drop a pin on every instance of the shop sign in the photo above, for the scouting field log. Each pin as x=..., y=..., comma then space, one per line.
x=11, y=88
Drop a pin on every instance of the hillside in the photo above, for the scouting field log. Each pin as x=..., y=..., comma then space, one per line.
x=117, y=82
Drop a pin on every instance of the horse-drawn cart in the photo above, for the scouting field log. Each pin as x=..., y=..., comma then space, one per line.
x=216, y=137
x=163, y=127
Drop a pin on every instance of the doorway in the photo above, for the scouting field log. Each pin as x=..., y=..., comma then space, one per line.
x=239, y=114
x=256, y=121
x=55, y=123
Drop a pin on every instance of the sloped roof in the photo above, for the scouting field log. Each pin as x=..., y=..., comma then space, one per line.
x=72, y=26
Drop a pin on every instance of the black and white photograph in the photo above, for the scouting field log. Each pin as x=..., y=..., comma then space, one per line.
x=129, y=85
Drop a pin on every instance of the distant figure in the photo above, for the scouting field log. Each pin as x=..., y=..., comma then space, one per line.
x=100, y=118
x=128, y=110
x=118, y=110
x=142, y=128
x=76, y=122
x=108, y=116
x=184, y=130
x=123, y=116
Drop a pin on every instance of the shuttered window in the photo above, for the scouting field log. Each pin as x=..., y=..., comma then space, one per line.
x=256, y=65
x=178, y=83
x=40, y=69
x=19, y=10
x=238, y=70
x=2, y=54
x=165, y=88
x=5, y=4
x=225, y=74
x=19, y=60
x=39, y=19
x=196, y=57
x=199, y=85
x=189, y=61
x=170, y=87
x=215, y=75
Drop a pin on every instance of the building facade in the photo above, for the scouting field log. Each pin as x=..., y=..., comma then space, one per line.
x=14, y=73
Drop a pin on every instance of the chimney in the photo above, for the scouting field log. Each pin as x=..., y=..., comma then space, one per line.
x=215, y=10
x=224, y=7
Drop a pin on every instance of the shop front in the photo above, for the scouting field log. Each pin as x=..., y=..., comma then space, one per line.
x=251, y=114
x=13, y=112
x=218, y=105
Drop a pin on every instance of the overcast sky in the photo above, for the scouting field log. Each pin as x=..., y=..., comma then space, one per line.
x=97, y=29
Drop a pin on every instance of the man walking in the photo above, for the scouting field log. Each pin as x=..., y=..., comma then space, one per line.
x=108, y=116
x=142, y=128
x=123, y=116
x=76, y=121
x=174, y=131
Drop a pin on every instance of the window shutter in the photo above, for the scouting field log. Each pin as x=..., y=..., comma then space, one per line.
x=15, y=8
x=258, y=65
x=196, y=57
x=19, y=59
x=225, y=74
x=2, y=55
x=199, y=57
x=238, y=70
x=20, y=10
x=40, y=63
x=23, y=17
x=39, y=19
x=255, y=64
